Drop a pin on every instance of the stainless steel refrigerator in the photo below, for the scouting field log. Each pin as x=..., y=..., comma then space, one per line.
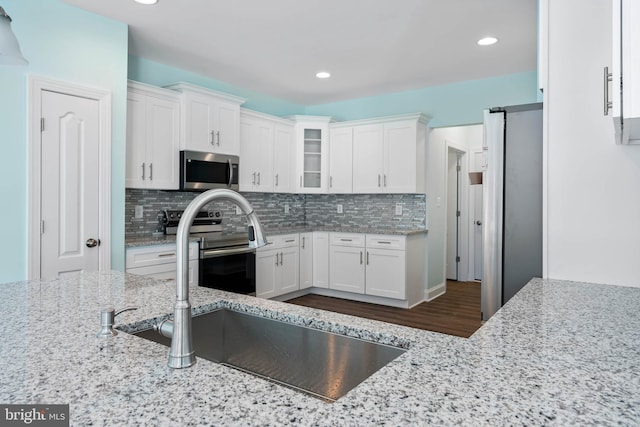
x=512, y=202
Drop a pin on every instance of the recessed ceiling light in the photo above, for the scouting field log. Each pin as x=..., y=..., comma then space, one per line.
x=148, y=2
x=487, y=41
x=323, y=75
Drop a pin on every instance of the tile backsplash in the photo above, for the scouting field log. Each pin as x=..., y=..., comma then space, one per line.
x=376, y=210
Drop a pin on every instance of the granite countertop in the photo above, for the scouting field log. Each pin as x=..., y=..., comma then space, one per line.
x=558, y=353
x=161, y=239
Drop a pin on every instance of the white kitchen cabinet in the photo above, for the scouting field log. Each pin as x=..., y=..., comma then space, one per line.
x=159, y=261
x=320, y=259
x=306, y=260
x=267, y=153
x=346, y=261
x=389, y=155
x=341, y=160
x=153, y=138
x=386, y=266
x=312, y=156
x=210, y=119
x=625, y=98
x=277, y=266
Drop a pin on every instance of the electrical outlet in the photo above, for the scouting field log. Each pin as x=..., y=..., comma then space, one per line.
x=139, y=212
x=398, y=209
x=339, y=208
x=286, y=208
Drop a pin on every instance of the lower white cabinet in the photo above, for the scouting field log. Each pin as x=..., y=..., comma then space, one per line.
x=277, y=266
x=346, y=260
x=386, y=266
x=306, y=260
x=159, y=261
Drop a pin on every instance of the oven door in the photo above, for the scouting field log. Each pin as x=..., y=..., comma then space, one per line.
x=229, y=269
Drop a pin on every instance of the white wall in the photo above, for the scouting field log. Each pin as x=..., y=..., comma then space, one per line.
x=592, y=186
x=464, y=138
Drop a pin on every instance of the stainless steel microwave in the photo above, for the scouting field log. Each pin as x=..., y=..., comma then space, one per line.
x=201, y=171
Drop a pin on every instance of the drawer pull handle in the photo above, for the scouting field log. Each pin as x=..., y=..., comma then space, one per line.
x=290, y=240
x=382, y=241
x=346, y=240
x=166, y=255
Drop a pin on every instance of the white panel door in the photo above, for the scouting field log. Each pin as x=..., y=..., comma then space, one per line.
x=136, y=141
x=399, y=157
x=367, y=159
x=385, y=273
x=346, y=271
x=283, y=159
x=266, y=264
x=70, y=185
x=199, y=134
x=287, y=273
x=341, y=160
x=163, y=142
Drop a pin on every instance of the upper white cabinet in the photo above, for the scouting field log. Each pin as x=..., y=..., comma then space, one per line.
x=312, y=159
x=389, y=155
x=153, y=137
x=267, y=153
x=625, y=72
x=341, y=160
x=210, y=119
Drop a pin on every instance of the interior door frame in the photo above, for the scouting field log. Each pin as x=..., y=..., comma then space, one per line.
x=463, y=238
x=36, y=85
x=472, y=203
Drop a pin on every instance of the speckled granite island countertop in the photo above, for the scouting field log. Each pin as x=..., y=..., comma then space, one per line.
x=559, y=353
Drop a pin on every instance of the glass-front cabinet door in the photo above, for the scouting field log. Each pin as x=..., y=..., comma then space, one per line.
x=312, y=134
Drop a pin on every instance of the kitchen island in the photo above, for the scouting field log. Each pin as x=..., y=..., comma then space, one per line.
x=558, y=353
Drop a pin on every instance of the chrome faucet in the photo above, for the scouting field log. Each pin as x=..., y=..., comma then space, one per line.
x=182, y=354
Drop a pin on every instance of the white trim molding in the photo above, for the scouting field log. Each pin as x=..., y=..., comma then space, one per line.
x=433, y=293
x=37, y=84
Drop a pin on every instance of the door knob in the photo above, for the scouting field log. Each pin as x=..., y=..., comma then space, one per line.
x=92, y=243
x=478, y=222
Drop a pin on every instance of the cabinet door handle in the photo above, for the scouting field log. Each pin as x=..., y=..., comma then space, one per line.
x=281, y=258
x=254, y=178
x=276, y=180
x=385, y=179
x=166, y=255
x=608, y=77
x=218, y=136
x=367, y=257
x=360, y=257
x=150, y=171
x=303, y=243
x=143, y=171
x=378, y=180
x=330, y=182
x=212, y=137
x=258, y=178
x=300, y=181
x=276, y=260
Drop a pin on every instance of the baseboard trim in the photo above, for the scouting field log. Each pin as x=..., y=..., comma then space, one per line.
x=435, y=292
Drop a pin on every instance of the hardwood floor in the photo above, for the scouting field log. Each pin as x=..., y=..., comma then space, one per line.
x=457, y=312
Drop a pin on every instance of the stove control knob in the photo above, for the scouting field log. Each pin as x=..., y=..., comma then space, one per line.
x=218, y=214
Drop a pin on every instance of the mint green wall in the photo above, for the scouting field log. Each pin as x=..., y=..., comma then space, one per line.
x=64, y=43
x=448, y=105
x=154, y=73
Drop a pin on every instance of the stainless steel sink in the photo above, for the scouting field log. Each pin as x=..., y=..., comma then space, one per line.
x=322, y=364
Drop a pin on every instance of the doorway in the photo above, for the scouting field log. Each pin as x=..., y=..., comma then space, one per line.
x=70, y=171
x=456, y=215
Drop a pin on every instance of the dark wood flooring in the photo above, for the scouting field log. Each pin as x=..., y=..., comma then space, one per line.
x=457, y=312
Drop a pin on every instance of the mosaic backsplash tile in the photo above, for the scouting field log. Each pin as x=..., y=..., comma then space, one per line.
x=376, y=210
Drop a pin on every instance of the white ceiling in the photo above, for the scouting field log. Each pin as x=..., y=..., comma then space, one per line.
x=371, y=47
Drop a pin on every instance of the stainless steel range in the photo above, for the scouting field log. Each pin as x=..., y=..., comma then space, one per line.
x=226, y=260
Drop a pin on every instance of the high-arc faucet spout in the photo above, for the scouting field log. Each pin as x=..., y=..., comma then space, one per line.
x=182, y=353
